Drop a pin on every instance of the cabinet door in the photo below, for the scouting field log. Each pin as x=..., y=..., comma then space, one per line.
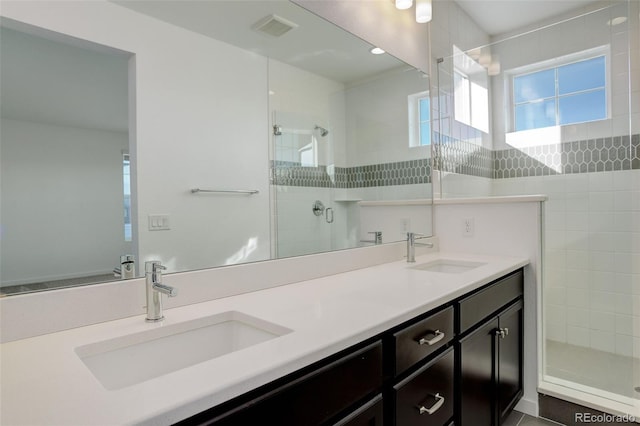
x=509, y=377
x=477, y=367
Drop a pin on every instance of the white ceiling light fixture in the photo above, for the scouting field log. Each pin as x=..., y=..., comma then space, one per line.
x=377, y=51
x=424, y=11
x=404, y=4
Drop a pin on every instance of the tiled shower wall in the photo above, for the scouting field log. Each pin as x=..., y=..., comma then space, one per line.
x=591, y=174
x=592, y=256
x=592, y=231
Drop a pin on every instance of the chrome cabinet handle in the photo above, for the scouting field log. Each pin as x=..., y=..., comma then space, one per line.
x=502, y=332
x=439, y=335
x=435, y=407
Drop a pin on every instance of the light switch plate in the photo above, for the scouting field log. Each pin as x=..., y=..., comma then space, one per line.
x=159, y=222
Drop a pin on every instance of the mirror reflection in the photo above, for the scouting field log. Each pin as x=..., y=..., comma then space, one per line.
x=99, y=163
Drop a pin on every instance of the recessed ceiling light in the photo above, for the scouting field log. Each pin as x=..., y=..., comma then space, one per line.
x=377, y=51
x=617, y=21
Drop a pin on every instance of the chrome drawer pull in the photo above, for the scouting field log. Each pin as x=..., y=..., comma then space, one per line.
x=435, y=407
x=439, y=335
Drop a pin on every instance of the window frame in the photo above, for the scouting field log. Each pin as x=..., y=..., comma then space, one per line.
x=126, y=191
x=555, y=63
x=471, y=106
x=415, y=128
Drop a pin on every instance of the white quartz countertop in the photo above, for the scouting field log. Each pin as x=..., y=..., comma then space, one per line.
x=44, y=382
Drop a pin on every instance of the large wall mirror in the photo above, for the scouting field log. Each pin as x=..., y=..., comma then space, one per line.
x=201, y=134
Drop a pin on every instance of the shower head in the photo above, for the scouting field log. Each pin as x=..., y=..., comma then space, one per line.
x=323, y=132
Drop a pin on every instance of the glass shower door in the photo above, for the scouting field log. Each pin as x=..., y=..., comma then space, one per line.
x=304, y=181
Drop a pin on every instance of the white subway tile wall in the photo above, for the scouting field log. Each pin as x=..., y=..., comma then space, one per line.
x=592, y=258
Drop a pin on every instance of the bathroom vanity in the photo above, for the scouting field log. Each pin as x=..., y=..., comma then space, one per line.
x=433, y=342
x=459, y=363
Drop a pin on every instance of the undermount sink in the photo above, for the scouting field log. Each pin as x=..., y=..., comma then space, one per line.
x=448, y=266
x=137, y=357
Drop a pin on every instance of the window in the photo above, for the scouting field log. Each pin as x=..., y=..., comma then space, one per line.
x=419, y=119
x=470, y=91
x=574, y=92
x=126, y=175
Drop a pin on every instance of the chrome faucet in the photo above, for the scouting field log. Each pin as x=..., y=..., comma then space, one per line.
x=411, y=245
x=153, y=274
x=377, y=238
x=127, y=269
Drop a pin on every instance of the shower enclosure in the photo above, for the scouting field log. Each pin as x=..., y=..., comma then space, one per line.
x=555, y=110
x=303, y=171
x=349, y=157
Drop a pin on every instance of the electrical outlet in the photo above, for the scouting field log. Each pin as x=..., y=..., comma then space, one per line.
x=468, y=227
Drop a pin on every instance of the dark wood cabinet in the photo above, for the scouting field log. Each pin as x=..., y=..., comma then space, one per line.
x=490, y=353
x=476, y=385
x=370, y=414
x=418, y=341
x=426, y=398
x=458, y=364
x=313, y=398
x=510, y=360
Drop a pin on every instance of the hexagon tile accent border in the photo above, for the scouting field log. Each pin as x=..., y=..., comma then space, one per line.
x=409, y=172
x=586, y=156
x=456, y=156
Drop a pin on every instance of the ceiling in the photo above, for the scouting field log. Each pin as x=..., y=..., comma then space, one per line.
x=315, y=45
x=502, y=16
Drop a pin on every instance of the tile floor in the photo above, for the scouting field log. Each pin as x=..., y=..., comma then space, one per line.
x=602, y=370
x=517, y=418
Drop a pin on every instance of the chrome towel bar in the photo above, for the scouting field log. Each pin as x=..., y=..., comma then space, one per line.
x=226, y=191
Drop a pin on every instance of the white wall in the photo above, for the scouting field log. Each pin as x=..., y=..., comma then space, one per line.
x=377, y=124
x=62, y=201
x=508, y=229
x=181, y=130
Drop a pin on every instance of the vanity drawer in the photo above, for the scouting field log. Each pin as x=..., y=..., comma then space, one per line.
x=425, y=398
x=312, y=399
x=480, y=305
x=421, y=339
x=370, y=414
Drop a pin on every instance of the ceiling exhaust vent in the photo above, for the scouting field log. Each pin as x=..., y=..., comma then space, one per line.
x=274, y=25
